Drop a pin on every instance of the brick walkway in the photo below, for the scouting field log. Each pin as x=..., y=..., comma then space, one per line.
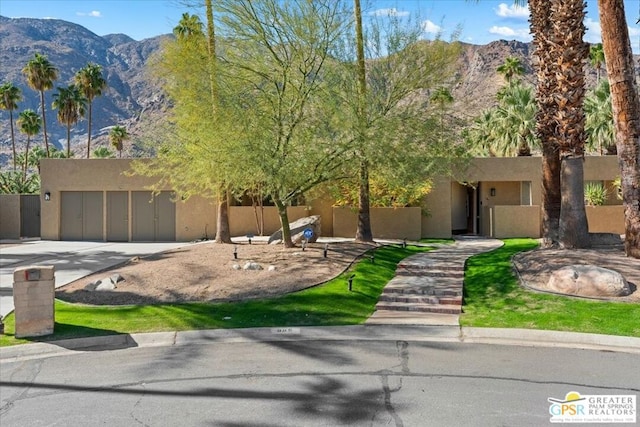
x=427, y=288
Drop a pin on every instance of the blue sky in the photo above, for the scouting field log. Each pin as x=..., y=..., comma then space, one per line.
x=481, y=22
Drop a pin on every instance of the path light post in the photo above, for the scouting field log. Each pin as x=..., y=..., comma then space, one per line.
x=326, y=248
x=304, y=244
x=235, y=252
x=350, y=280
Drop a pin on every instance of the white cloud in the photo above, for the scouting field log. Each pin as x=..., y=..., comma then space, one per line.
x=93, y=14
x=513, y=11
x=389, y=12
x=431, y=28
x=517, y=33
x=594, y=32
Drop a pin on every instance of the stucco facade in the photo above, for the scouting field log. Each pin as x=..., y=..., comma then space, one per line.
x=497, y=197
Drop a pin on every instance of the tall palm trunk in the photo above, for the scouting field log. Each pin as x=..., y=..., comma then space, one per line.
x=363, y=232
x=540, y=24
x=13, y=139
x=88, y=130
x=223, y=230
x=626, y=114
x=570, y=52
x=26, y=158
x=44, y=123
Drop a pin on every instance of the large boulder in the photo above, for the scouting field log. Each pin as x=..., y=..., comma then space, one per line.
x=297, y=230
x=588, y=281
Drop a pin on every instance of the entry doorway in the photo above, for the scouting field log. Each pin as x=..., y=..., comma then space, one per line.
x=464, y=208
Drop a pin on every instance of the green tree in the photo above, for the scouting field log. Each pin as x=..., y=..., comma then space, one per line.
x=596, y=56
x=41, y=74
x=29, y=123
x=9, y=97
x=71, y=104
x=91, y=82
x=188, y=27
x=599, y=120
x=117, y=136
x=626, y=114
x=516, y=119
x=13, y=182
x=512, y=67
x=103, y=153
x=394, y=138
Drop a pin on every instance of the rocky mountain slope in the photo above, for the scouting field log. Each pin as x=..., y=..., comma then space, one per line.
x=131, y=94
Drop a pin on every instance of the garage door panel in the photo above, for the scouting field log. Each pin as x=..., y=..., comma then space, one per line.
x=117, y=216
x=71, y=215
x=143, y=212
x=92, y=215
x=165, y=218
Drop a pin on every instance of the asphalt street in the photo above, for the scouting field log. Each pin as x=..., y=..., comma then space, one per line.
x=307, y=382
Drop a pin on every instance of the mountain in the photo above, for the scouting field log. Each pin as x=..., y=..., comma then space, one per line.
x=69, y=47
x=131, y=93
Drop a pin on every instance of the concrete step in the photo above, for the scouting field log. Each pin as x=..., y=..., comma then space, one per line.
x=422, y=307
x=419, y=299
x=431, y=272
x=444, y=291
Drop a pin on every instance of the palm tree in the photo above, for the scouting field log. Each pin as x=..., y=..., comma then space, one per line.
x=570, y=53
x=90, y=81
x=516, y=119
x=29, y=123
x=9, y=97
x=40, y=75
x=626, y=114
x=596, y=56
x=363, y=232
x=188, y=26
x=512, y=67
x=70, y=103
x=599, y=119
x=117, y=135
x=546, y=70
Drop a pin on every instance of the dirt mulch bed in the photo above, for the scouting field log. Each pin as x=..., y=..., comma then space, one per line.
x=205, y=272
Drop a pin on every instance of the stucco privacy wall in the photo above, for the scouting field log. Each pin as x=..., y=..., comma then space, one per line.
x=9, y=216
x=386, y=223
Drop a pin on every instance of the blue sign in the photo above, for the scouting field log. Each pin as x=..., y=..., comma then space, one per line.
x=307, y=233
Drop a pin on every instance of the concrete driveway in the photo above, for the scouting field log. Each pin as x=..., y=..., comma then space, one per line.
x=72, y=260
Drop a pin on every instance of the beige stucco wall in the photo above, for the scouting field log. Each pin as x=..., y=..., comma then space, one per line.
x=512, y=221
x=437, y=221
x=386, y=223
x=242, y=219
x=195, y=219
x=9, y=216
x=605, y=219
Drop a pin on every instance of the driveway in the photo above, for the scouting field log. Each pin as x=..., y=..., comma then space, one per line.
x=72, y=260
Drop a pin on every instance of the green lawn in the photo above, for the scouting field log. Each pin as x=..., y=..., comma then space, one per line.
x=325, y=305
x=494, y=299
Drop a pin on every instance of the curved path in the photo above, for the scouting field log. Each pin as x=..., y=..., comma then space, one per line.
x=427, y=288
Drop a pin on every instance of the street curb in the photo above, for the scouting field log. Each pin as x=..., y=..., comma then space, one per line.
x=452, y=334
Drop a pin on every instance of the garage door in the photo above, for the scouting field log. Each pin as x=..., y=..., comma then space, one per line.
x=81, y=215
x=154, y=217
x=117, y=216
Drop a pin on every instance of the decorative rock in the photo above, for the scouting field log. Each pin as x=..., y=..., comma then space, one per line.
x=252, y=266
x=236, y=266
x=588, y=280
x=271, y=268
x=297, y=229
x=105, y=284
